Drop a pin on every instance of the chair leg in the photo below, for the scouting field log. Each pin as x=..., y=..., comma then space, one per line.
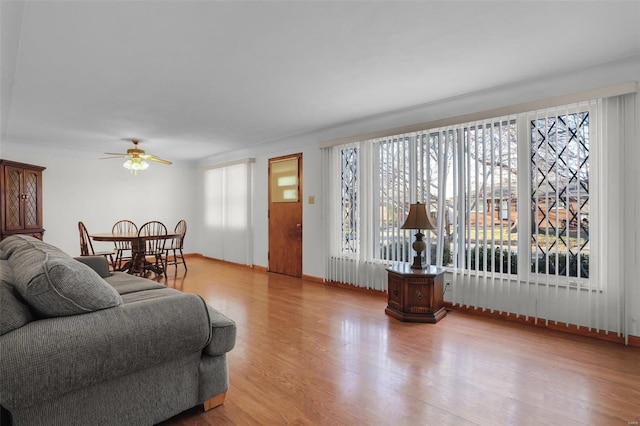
x=161, y=264
x=184, y=262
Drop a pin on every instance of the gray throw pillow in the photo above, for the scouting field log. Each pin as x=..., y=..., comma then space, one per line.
x=14, y=313
x=6, y=274
x=59, y=286
x=12, y=243
x=3, y=255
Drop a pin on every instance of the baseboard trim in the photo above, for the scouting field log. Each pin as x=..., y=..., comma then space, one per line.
x=255, y=267
x=541, y=323
x=312, y=279
x=242, y=265
x=337, y=284
x=634, y=341
x=193, y=255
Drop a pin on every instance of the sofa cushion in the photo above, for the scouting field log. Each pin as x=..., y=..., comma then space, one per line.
x=143, y=295
x=15, y=312
x=54, y=284
x=223, y=333
x=48, y=358
x=126, y=283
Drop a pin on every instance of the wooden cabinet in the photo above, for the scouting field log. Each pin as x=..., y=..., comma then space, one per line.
x=415, y=295
x=20, y=199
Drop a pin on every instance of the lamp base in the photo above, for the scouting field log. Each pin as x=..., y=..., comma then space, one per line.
x=417, y=262
x=419, y=246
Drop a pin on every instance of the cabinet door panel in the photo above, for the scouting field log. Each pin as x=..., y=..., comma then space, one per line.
x=13, y=208
x=31, y=204
x=418, y=297
x=395, y=292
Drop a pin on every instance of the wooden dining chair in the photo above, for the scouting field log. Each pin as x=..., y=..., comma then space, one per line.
x=123, y=248
x=86, y=247
x=176, y=246
x=154, y=234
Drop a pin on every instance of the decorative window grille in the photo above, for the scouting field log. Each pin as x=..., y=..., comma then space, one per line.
x=349, y=186
x=560, y=194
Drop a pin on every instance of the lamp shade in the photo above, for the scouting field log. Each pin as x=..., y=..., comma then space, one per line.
x=418, y=218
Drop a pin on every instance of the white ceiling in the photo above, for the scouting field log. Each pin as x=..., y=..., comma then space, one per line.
x=200, y=78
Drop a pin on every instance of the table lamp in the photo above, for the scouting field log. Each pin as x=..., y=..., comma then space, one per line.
x=418, y=219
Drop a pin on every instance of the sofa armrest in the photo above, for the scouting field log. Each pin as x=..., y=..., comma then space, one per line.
x=49, y=357
x=97, y=263
x=223, y=333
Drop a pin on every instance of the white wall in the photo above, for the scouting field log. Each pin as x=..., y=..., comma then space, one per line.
x=100, y=192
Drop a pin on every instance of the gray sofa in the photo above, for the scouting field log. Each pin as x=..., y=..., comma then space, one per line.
x=80, y=345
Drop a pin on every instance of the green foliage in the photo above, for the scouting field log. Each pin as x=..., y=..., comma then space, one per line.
x=557, y=265
x=498, y=260
x=406, y=253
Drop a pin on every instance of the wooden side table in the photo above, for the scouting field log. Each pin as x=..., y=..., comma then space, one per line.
x=415, y=295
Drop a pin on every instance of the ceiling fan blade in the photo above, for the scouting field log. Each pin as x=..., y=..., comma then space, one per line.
x=113, y=156
x=154, y=158
x=135, y=154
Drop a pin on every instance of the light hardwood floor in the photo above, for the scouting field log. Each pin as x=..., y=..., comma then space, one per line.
x=310, y=354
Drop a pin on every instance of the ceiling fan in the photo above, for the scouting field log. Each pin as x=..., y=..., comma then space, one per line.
x=137, y=157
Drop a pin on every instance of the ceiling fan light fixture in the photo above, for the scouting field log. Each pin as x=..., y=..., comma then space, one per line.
x=136, y=158
x=135, y=164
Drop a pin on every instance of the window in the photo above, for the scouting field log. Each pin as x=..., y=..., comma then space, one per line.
x=468, y=176
x=349, y=200
x=560, y=194
x=489, y=187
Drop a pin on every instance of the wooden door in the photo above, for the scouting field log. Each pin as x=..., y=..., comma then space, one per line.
x=285, y=215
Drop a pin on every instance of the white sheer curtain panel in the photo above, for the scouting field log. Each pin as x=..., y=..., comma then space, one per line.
x=228, y=213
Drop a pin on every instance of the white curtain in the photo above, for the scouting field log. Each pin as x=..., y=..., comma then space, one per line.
x=227, y=216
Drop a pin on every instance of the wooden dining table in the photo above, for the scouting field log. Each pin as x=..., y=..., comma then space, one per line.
x=138, y=260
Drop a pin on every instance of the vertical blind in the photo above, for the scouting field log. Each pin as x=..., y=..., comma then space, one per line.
x=526, y=222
